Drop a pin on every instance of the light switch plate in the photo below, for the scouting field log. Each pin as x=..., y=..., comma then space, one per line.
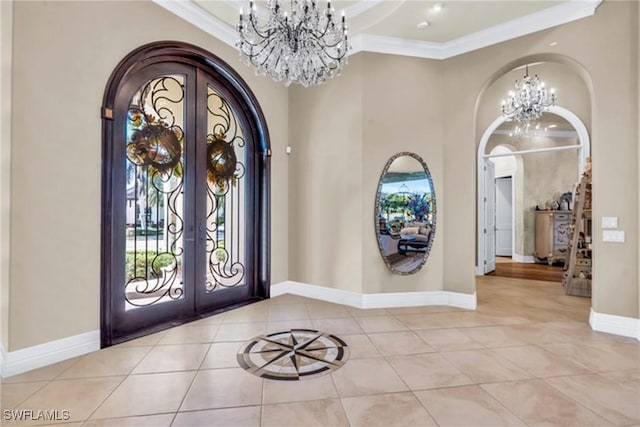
x=609, y=222
x=613, y=236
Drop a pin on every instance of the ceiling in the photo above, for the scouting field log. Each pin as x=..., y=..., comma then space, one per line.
x=390, y=26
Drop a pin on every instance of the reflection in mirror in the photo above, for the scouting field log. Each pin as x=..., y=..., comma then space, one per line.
x=405, y=213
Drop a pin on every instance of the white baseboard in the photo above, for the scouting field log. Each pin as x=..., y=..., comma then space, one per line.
x=479, y=271
x=378, y=300
x=618, y=325
x=26, y=359
x=527, y=259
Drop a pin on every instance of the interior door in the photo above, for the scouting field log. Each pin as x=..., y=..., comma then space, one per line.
x=182, y=231
x=504, y=217
x=490, y=217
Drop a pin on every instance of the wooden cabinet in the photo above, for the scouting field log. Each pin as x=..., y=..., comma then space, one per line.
x=553, y=230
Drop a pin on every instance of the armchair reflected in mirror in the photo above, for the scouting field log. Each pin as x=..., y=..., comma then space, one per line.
x=405, y=213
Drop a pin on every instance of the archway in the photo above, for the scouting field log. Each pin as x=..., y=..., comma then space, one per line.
x=584, y=150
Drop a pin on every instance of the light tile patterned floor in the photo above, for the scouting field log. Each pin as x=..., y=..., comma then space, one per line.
x=526, y=357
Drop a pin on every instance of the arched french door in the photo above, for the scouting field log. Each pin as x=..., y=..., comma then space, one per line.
x=185, y=191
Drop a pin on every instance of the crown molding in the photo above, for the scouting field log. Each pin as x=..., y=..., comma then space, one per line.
x=195, y=15
x=363, y=42
x=542, y=20
x=397, y=46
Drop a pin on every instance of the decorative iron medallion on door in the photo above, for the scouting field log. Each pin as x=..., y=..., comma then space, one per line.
x=293, y=355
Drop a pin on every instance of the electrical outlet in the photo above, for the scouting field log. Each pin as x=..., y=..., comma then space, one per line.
x=609, y=222
x=613, y=236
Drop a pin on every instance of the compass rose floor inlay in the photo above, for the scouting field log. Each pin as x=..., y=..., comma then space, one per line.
x=293, y=355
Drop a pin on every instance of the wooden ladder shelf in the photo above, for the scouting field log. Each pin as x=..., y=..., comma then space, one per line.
x=577, y=272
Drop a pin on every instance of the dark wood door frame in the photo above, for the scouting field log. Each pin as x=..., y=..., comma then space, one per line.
x=240, y=96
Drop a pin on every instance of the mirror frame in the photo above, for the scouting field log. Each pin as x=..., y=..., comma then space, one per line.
x=379, y=212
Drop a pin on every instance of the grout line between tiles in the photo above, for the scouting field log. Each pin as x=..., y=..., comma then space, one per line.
x=105, y=399
x=118, y=385
x=577, y=402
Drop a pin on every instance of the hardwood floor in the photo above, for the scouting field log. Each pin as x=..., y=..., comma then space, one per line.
x=507, y=268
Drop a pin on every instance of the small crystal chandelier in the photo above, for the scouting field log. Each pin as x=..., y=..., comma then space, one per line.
x=307, y=46
x=529, y=100
x=528, y=131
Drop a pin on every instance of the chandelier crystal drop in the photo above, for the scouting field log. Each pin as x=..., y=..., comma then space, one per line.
x=305, y=44
x=529, y=100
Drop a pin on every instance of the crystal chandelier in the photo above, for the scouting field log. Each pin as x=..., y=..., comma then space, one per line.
x=528, y=131
x=529, y=100
x=305, y=45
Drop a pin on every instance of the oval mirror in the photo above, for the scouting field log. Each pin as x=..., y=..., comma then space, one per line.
x=405, y=213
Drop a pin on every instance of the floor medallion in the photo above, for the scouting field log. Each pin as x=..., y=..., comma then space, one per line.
x=293, y=355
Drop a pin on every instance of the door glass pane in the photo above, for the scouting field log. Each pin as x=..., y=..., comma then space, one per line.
x=226, y=191
x=154, y=202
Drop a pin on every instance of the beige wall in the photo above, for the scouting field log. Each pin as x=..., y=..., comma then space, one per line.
x=6, y=29
x=326, y=182
x=609, y=61
x=343, y=134
x=65, y=52
x=401, y=112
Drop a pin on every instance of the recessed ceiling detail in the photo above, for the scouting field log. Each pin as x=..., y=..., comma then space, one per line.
x=391, y=26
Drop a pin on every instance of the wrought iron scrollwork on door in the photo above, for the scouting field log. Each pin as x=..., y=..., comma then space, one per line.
x=155, y=203
x=226, y=196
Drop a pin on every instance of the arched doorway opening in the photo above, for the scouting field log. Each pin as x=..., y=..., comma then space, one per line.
x=185, y=222
x=486, y=259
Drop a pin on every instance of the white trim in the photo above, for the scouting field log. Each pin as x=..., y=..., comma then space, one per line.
x=322, y=293
x=195, y=15
x=533, y=151
x=569, y=134
x=618, y=325
x=584, y=151
x=513, y=210
x=526, y=259
x=26, y=359
x=378, y=300
x=399, y=46
x=412, y=299
x=354, y=10
x=542, y=20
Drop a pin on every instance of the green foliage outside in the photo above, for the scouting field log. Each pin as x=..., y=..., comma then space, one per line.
x=149, y=267
x=149, y=231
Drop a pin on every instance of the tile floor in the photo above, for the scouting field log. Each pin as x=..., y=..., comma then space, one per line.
x=525, y=357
